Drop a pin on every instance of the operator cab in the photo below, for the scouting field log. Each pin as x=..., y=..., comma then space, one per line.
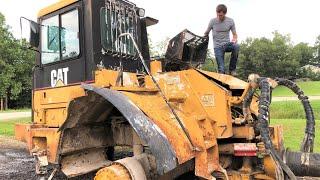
x=73, y=38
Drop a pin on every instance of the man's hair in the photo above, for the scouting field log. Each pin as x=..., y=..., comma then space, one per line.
x=222, y=7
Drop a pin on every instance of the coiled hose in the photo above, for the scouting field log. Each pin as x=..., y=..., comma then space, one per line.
x=263, y=125
x=308, y=140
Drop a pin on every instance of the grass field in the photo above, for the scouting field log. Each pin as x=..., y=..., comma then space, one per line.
x=310, y=88
x=292, y=110
x=294, y=132
x=292, y=116
x=7, y=126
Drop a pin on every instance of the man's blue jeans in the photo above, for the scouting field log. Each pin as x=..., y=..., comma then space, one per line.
x=219, y=53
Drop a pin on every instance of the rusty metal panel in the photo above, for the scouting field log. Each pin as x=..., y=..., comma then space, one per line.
x=53, y=99
x=199, y=120
x=122, y=133
x=55, y=117
x=22, y=132
x=51, y=136
x=147, y=131
x=245, y=132
x=232, y=82
x=85, y=137
x=187, y=47
x=277, y=137
x=83, y=162
x=213, y=99
x=86, y=110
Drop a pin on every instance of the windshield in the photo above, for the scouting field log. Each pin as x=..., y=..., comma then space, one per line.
x=115, y=20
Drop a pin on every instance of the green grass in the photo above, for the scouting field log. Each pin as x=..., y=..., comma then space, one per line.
x=310, y=88
x=292, y=109
x=294, y=133
x=292, y=116
x=7, y=126
x=16, y=110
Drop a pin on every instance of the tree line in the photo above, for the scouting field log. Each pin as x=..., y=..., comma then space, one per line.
x=275, y=57
x=15, y=70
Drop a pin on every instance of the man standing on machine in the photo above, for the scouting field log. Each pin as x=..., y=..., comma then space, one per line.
x=221, y=27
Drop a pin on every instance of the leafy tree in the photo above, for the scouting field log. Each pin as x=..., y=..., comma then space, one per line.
x=20, y=93
x=304, y=53
x=316, y=59
x=6, y=70
x=268, y=57
x=210, y=63
x=15, y=68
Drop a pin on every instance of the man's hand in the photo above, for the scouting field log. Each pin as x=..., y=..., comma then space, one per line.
x=234, y=38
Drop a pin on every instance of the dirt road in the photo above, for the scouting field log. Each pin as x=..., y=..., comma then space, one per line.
x=293, y=98
x=14, y=115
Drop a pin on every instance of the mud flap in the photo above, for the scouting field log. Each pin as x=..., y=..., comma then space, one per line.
x=92, y=110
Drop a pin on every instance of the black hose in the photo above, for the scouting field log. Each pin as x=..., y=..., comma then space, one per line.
x=308, y=140
x=248, y=98
x=263, y=125
x=303, y=164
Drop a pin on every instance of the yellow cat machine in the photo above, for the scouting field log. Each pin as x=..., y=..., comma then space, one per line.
x=100, y=104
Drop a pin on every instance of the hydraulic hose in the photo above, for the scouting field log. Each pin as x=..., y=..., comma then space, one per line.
x=263, y=125
x=308, y=140
x=303, y=164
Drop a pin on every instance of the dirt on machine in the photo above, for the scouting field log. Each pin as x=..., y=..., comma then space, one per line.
x=102, y=105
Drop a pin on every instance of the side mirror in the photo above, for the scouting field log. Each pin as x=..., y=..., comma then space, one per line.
x=30, y=31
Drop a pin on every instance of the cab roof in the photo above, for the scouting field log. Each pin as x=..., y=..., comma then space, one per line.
x=54, y=7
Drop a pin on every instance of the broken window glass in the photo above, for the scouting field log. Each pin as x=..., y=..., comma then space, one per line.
x=115, y=20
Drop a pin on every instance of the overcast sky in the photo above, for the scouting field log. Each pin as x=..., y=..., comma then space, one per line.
x=253, y=18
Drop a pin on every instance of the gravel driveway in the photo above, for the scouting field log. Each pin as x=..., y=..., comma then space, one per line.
x=14, y=115
x=16, y=163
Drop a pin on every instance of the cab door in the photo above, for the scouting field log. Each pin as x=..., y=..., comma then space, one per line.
x=61, y=61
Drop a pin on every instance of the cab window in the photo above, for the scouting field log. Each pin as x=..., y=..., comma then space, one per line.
x=60, y=41
x=113, y=23
x=50, y=44
x=70, y=34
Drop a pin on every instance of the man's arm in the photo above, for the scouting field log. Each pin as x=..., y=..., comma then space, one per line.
x=234, y=33
x=208, y=29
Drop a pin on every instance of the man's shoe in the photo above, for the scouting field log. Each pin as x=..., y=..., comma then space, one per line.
x=233, y=73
